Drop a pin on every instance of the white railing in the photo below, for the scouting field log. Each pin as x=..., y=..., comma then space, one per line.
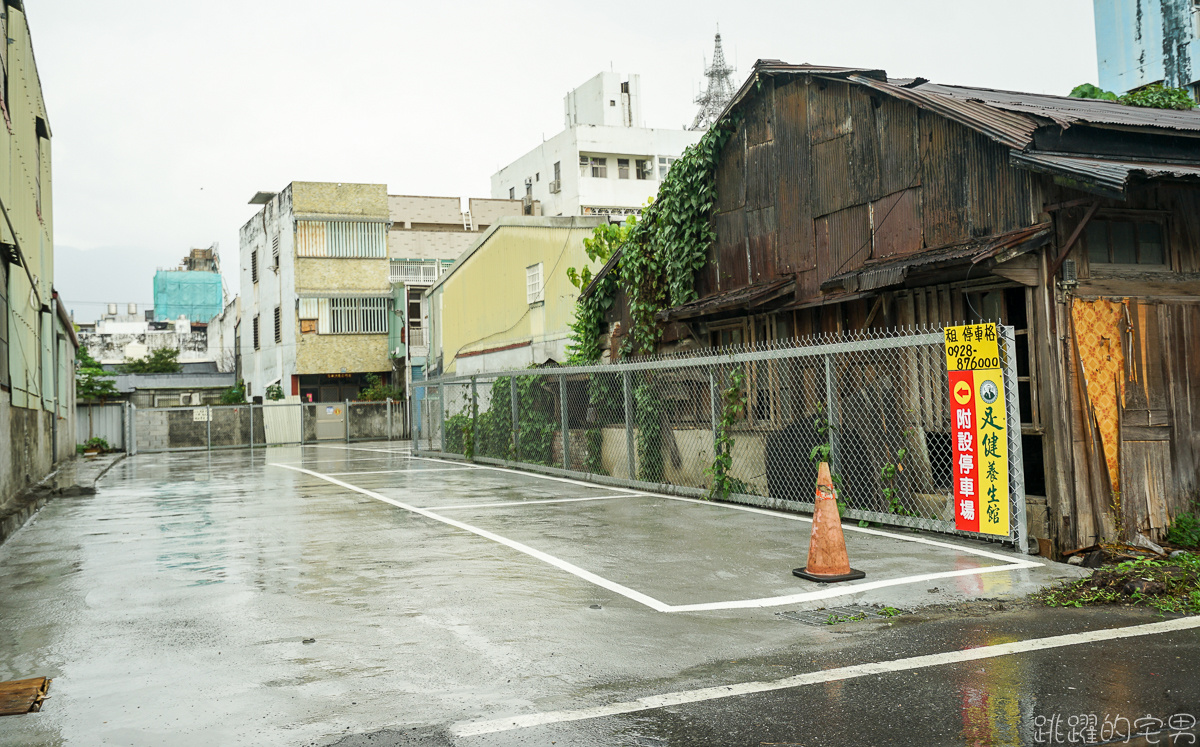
x=417, y=337
x=413, y=271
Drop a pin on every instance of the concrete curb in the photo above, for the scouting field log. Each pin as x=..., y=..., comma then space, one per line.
x=28, y=503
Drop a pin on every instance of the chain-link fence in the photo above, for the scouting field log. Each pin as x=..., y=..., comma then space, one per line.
x=242, y=426
x=747, y=426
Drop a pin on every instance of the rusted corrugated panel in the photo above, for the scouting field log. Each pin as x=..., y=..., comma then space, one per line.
x=794, y=246
x=1067, y=111
x=828, y=111
x=731, y=173
x=760, y=237
x=760, y=176
x=759, y=113
x=943, y=181
x=1110, y=177
x=1011, y=129
x=864, y=147
x=843, y=240
x=896, y=123
x=831, y=188
x=896, y=223
x=732, y=269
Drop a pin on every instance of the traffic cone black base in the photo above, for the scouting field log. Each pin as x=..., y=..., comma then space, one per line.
x=853, y=575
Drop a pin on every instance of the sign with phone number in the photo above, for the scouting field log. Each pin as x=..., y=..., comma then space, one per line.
x=978, y=429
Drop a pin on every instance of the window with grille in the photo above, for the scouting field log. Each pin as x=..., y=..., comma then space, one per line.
x=254, y=269
x=275, y=252
x=1125, y=241
x=622, y=168
x=355, y=316
x=256, y=332
x=278, y=325
x=534, y=292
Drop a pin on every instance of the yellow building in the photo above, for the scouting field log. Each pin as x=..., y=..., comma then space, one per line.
x=37, y=341
x=507, y=302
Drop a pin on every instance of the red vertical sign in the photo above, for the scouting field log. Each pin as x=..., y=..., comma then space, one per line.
x=964, y=451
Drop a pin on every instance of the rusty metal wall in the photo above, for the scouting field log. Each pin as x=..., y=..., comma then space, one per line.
x=817, y=166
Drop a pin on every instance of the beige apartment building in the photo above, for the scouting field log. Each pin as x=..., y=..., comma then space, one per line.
x=328, y=271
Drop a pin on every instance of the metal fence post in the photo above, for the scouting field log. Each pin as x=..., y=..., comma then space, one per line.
x=473, y=406
x=441, y=419
x=630, y=450
x=1016, y=452
x=712, y=401
x=208, y=426
x=516, y=419
x=347, y=421
x=831, y=417
x=566, y=433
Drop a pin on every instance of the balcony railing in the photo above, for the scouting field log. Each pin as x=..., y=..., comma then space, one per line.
x=417, y=337
x=413, y=272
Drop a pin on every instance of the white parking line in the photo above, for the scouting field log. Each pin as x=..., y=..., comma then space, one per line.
x=317, y=457
x=823, y=593
x=535, y=502
x=559, y=563
x=393, y=471
x=1015, y=563
x=826, y=675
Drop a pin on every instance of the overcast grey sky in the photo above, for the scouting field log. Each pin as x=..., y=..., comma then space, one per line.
x=168, y=116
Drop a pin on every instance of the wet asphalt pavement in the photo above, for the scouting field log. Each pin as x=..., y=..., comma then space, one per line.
x=208, y=600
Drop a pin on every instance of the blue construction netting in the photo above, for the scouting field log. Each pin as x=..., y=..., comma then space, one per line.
x=196, y=295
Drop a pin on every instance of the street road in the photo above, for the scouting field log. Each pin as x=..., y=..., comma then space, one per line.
x=355, y=595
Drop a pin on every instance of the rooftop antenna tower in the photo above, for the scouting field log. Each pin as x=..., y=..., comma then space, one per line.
x=719, y=92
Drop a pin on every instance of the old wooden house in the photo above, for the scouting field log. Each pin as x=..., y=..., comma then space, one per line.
x=850, y=201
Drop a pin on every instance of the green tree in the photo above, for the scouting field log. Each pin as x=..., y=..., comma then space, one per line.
x=1154, y=96
x=92, y=381
x=234, y=395
x=377, y=391
x=162, y=360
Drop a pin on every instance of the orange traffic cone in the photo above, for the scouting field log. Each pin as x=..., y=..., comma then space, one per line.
x=827, y=559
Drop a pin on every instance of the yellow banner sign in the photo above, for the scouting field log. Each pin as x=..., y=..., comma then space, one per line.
x=979, y=429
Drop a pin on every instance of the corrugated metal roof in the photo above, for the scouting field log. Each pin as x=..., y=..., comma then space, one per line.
x=1008, y=117
x=885, y=273
x=1106, y=176
x=1067, y=111
x=1013, y=130
x=742, y=299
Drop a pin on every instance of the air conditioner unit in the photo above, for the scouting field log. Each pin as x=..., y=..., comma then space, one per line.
x=555, y=186
x=194, y=398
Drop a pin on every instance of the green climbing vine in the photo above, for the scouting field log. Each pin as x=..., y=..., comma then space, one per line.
x=660, y=253
x=660, y=256
x=733, y=406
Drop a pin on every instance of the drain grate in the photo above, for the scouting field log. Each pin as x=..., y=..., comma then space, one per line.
x=838, y=615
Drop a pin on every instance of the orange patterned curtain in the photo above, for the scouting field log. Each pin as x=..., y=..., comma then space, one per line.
x=1098, y=328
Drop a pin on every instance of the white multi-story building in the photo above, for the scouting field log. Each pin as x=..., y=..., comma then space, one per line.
x=606, y=161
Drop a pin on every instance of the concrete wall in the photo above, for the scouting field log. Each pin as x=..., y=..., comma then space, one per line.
x=330, y=200
x=314, y=275
x=342, y=353
x=1145, y=41
x=40, y=377
x=25, y=456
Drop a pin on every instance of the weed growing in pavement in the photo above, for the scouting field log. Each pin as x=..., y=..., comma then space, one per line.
x=1185, y=531
x=1165, y=584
